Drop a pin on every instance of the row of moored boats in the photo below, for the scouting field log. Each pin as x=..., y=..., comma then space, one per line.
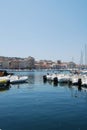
x=75, y=79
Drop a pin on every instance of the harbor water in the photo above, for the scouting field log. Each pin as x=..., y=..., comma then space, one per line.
x=36, y=105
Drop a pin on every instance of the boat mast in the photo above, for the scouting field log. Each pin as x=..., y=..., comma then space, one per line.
x=85, y=55
x=81, y=58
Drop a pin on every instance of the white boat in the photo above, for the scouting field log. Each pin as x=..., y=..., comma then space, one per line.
x=84, y=80
x=51, y=76
x=16, y=79
x=63, y=78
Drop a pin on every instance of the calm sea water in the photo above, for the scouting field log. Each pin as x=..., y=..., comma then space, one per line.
x=42, y=106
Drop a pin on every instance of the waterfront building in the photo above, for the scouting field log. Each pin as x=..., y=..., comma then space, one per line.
x=43, y=64
x=71, y=65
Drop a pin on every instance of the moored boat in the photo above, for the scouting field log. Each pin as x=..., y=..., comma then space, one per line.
x=16, y=79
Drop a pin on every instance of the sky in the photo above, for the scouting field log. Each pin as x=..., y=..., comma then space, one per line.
x=44, y=29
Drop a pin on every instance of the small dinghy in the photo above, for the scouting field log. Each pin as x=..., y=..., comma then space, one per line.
x=16, y=79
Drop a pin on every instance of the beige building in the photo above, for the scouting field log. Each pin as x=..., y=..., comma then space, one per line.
x=4, y=65
x=27, y=63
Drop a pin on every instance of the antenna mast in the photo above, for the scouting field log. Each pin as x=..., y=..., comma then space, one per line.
x=85, y=54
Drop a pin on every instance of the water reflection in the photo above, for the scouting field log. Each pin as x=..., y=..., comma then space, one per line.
x=74, y=91
x=62, y=84
x=50, y=83
x=79, y=88
x=4, y=88
x=55, y=84
x=31, y=79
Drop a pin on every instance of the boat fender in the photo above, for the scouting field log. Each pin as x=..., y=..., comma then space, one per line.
x=44, y=78
x=55, y=80
x=79, y=82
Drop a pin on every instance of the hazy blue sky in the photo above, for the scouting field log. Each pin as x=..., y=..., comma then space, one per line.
x=44, y=29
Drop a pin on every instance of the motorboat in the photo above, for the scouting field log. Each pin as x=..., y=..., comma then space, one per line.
x=17, y=79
